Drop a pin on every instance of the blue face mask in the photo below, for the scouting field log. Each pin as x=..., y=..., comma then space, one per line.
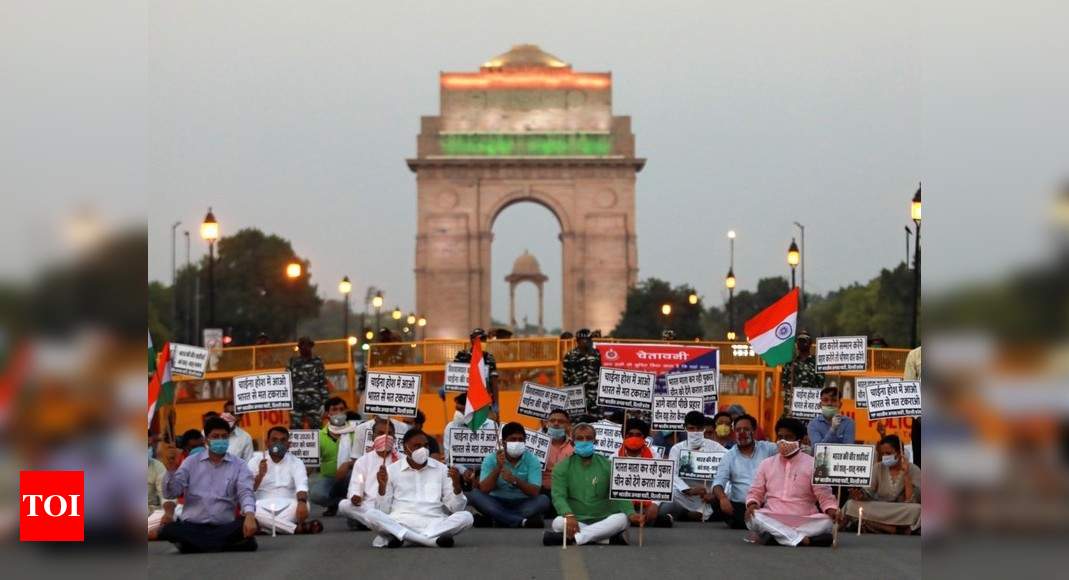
x=584, y=448
x=219, y=446
x=555, y=432
x=196, y=450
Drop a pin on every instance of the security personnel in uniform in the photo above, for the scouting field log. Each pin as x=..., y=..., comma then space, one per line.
x=309, y=386
x=582, y=366
x=801, y=372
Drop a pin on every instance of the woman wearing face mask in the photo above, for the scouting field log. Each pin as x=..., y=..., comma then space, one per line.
x=509, y=488
x=893, y=503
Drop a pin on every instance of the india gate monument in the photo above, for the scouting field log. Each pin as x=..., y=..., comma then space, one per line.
x=524, y=128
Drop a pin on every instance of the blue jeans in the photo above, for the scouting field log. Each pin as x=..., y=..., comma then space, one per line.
x=327, y=491
x=509, y=512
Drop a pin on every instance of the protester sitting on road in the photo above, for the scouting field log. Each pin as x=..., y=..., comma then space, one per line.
x=736, y=410
x=509, y=486
x=893, y=503
x=417, y=493
x=281, y=486
x=689, y=495
x=558, y=426
x=736, y=472
x=634, y=445
x=215, y=484
x=781, y=505
x=161, y=509
x=581, y=496
x=718, y=428
x=324, y=488
x=352, y=447
x=830, y=426
x=191, y=442
x=469, y=473
x=363, y=489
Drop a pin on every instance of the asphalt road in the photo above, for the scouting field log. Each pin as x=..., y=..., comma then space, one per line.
x=685, y=551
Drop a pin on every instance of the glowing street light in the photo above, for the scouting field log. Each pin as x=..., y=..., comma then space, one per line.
x=293, y=270
x=666, y=309
x=345, y=287
x=209, y=232
x=793, y=258
x=411, y=320
x=693, y=298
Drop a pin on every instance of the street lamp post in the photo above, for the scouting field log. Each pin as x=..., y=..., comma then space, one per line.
x=209, y=232
x=345, y=287
x=396, y=315
x=376, y=302
x=908, y=235
x=730, y=283
x=666, y=310
x=174, y=278
x=801, y=301
x=915, y=213
x=793, y=257
x=422, y=324
x=293, y=272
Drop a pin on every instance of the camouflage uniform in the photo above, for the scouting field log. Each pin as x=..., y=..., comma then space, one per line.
x=309, y=390
x=807, y=377
x=583, y=368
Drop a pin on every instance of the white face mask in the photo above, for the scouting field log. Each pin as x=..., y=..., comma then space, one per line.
x=888, y=460
x=515, y=448
x=695, y=438
x=458, y=418
x=419, y=456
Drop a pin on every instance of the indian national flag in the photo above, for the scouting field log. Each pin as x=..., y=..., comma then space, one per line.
x=160, y=385
x=478, y=407
x=771, y=333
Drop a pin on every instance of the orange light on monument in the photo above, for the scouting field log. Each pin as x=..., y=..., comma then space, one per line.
x=293, y=270
x=473, y=81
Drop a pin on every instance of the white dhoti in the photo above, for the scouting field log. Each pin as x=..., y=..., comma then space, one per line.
x=354, y=512
x=277, y=513
x=414, y=529
x=788, y=529
x=157, y=515
x=599, y=531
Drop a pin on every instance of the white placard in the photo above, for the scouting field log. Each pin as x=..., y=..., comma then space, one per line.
x=842, y=464
x=862, y=383
x=705, y=384
x=263, y=392
x=805, y=403
x=456, y=377
x=538, y=400
x=842, y=353
x=669, y=412
x=467, y=447
x=641, y=479
x=304, y=445
x=538, y=443
x=897, y=399
x=626, y=389
x=392, y=394
x=608, y=438
x=699, y=464
x=188, y=360
x=576, y=405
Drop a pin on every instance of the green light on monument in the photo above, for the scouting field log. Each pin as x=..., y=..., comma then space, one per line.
x=533, y=145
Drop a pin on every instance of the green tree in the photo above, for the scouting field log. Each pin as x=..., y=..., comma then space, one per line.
x=643, y=319
x=252, y=292
x=159, y=313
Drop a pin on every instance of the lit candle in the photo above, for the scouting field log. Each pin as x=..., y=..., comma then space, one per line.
x=860, y=519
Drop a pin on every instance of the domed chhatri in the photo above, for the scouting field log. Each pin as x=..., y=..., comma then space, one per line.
x=525, y=56
x=526, y=269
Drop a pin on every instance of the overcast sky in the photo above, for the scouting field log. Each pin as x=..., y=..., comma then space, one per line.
x=296, y=118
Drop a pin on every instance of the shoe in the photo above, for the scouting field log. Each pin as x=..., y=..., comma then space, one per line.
x=330, y=512
x=394, y=543
x=766, y=539
x=482, y=521
x=619, y=540
x=445, y=541
x=551, y=538
x=822, y=540
x=534, y=523
x=664, y=521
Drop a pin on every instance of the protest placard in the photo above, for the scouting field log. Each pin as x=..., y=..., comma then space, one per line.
x=467, y=447
x=699, y=464
x=538, y=443
x=369, y=442
x=705, y=384
x=537, y=400
x=188, y=360
x=842, y=353
x=576, y=403
x=626, y=389
x=805, y=403
x=843, y=464
x=263, y=392
x=608, y=437
x=895, y=399
x=456, y=377
x=669, y=412
x=642, y=479
x=861, y=384
x=392, y=394
x=304, y=445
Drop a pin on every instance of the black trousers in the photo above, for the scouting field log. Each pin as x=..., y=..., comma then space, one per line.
x=737, y=520
x=195, y=538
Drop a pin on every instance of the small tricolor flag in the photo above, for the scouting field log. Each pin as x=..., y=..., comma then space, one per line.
x=771, y=333
x=478, y=407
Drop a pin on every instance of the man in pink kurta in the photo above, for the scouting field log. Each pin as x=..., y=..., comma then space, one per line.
x=782, y=502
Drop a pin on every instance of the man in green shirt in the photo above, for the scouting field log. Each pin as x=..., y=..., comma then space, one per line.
x=324, y=488
x=581, y=497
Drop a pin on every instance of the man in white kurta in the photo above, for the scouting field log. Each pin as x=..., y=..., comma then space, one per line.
x=363, y=491
x=240, y=440
x=422, y=502
x=281, y=484
x=689, y=495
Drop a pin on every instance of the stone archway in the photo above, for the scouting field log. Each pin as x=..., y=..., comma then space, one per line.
x=524, y=129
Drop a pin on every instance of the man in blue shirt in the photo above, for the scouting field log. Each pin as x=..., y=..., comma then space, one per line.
x=510, y=482
x=830, y=426
x=736, y=472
